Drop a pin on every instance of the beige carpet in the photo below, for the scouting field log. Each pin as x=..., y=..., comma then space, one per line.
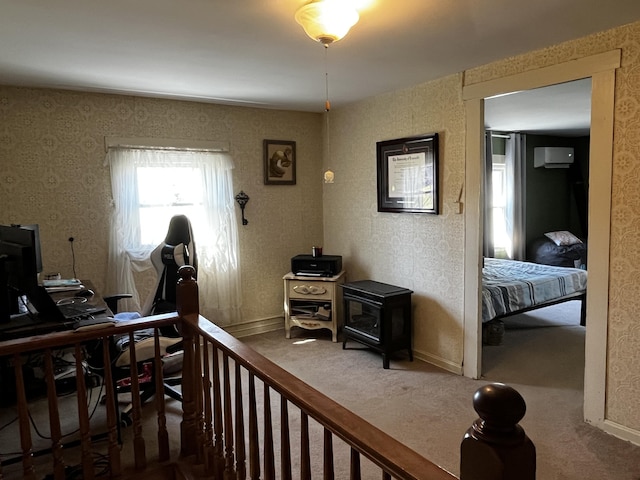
x=429, y=409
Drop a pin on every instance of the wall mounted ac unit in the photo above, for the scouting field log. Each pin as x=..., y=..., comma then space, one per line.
x=552, y=157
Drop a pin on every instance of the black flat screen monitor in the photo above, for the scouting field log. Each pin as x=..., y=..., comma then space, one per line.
x=20, y=263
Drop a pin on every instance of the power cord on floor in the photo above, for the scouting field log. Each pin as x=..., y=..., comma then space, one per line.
x=101, y=468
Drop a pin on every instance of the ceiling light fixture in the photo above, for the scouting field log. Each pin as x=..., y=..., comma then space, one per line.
x=327, y=21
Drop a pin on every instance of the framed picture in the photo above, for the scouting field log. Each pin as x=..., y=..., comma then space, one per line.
x=279, y=162
x=408, y=174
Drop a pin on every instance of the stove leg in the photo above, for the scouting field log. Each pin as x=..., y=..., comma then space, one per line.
x=385, y=361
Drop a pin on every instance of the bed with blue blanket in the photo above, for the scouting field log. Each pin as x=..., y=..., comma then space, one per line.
x=510, y=287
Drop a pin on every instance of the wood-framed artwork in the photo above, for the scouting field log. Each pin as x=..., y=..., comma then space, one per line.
x=408, y=174
x=279, y=162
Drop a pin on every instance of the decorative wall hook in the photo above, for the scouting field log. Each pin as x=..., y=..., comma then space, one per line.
x=242, y=199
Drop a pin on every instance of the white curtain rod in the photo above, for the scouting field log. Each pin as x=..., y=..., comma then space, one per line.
x=165, y=144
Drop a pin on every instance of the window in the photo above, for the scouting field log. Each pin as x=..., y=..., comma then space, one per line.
x=149, y=187
x=501, y=237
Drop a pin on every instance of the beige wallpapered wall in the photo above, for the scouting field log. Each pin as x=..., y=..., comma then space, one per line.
x=425, y=252
x=52, y=173
x=623, y=344
x=51, y=153
x=421, y=252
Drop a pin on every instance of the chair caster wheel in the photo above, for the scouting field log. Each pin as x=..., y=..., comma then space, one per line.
x=125, y=420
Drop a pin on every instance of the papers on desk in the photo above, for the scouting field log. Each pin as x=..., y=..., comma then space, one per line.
x=62, y=285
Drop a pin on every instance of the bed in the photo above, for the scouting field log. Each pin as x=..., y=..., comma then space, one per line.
x=510, y=287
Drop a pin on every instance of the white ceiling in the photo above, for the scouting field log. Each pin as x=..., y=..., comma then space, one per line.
x=252, y=52
x=562, y=110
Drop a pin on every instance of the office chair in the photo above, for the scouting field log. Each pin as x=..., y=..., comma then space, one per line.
x=177, y=249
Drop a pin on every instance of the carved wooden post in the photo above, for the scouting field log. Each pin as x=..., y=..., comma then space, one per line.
x=496, y=447
x=187, y=303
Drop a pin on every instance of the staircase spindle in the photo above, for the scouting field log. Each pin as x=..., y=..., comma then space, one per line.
x=111, y=400
x=218, y=425
x=198, y=392
x=54, y=417
x=305, y=451
x=138, y=440
x=163, y=435
x=285, y=440
x=254, y=442
x=83, y=415
x=28, y=471
x=209, y=454
x=228, y=420
x=328, y=455
x=355, y=473
x=241, y=466
x=269, y=453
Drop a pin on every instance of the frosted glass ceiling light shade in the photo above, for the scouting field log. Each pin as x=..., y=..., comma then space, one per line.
x=327, y=21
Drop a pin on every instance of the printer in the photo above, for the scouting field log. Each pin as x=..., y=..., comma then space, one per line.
x=322, y=266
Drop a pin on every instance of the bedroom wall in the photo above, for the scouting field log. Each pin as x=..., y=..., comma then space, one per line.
x=550, y=197
x=425, y=252
x=52, y=173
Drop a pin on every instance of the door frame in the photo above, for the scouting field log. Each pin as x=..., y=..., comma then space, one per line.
x=601, y=68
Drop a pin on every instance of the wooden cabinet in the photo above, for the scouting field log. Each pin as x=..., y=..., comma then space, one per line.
x=313, y=303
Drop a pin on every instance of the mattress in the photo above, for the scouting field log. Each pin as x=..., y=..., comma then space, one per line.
x=509, y=286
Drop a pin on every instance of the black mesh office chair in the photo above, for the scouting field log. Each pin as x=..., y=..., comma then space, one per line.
x=177, y=249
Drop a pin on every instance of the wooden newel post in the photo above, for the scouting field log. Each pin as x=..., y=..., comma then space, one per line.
x=186, y=304
x=187, y=291
x=496, y=447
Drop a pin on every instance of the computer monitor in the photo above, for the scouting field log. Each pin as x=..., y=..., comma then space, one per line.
x=20, y=263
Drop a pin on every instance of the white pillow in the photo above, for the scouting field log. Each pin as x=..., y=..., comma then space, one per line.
x=562, y=237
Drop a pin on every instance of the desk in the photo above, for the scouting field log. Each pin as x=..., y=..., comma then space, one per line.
x=48, y=319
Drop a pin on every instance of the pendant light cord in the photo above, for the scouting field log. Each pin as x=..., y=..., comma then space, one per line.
x=327, y=104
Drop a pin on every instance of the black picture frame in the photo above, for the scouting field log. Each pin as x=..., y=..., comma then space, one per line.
x=279, y=162
x=408, y=174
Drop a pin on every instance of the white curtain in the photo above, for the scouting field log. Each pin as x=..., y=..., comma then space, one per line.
x=214, y=225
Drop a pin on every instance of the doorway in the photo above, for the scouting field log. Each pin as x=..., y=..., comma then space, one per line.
x=601, y=69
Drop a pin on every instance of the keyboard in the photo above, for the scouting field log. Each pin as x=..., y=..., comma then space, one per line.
x=77, y=311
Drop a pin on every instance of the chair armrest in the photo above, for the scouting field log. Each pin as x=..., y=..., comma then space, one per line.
x=112, y=301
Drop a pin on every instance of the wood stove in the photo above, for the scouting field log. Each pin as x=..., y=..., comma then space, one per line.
x=377, y=315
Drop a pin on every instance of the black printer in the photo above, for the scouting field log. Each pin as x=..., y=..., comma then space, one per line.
x=322, y=266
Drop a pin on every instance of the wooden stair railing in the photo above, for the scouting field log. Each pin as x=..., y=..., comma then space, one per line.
x=242, y=416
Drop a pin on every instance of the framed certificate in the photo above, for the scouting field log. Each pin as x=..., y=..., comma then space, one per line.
x=408, y=174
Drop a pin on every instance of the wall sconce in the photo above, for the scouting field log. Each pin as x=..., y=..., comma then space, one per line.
x=242, y=199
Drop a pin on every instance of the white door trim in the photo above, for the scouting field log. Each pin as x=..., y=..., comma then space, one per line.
x=601, y=68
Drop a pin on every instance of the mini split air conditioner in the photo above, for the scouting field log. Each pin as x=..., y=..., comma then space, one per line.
x=552, y=157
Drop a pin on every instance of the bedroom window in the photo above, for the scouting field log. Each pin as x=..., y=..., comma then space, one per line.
x=149, y=186
x=501, y=238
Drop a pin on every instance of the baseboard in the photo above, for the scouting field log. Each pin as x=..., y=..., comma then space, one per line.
x=438, y=362
x=255, y=327
x=620, y=431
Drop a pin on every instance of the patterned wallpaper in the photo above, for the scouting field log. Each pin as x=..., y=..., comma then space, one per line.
x=623, y=369
x=425, y=253
x=421, y=252
x=52, y=173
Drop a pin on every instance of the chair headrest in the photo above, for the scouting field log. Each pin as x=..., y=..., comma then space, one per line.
x=175, y=255
x=179, y=231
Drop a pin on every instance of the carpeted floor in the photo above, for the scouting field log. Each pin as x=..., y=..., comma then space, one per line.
x=542, y=356
x=429, y=409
